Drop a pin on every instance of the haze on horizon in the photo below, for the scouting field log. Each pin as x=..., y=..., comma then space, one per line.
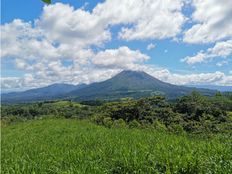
x=80, y=41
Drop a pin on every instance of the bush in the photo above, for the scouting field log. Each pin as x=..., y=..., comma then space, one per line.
x=98, y=118
x=107, y=122
x=176, y=128
x=11, y=119
x=120, y=123
x=159, y=126
x=134, y=124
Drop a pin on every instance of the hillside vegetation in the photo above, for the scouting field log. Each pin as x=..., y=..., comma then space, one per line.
x=193, y=113
x=72, y=146
x=190, y=135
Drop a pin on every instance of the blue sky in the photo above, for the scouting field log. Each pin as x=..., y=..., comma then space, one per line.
x=78, y=41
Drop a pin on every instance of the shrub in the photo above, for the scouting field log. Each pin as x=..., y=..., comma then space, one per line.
x=176, y=128
x=11, y=119
x=134, y=124
x=98, y=118
x=120, y=123
x=107, y=122
x=159, y=126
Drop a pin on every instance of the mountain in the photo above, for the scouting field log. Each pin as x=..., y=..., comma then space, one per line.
x=132, y=84
x=127, y=83
x=214, y=87
x=54, y=91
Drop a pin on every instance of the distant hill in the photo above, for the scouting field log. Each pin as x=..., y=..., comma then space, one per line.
x=54, y=91
x=127, y=83
x=132, y=84
x=214, y=87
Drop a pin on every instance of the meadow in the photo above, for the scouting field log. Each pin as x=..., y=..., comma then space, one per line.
x=78, y=146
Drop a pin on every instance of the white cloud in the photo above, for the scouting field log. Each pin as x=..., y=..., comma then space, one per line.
x=150, y=19
x=21, y=64
x=63, y=33
x=89, y=68
x=220, y=50
x=93, y=74
x=64, y=24
x=20, y=40
x=61, y=30
x=216, y=78
x=210, y=78
x=222, y=63
x=18, y=82
x=213, y=21
x=200, y=57
x=10, y=82
x=121, y=58
x=150, y=46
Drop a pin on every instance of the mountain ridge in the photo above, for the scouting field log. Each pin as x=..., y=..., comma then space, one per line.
x=132, y=84
x=127, y=83
x=214, y=87
x=50, y=92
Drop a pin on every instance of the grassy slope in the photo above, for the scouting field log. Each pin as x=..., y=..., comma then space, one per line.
x=71, y=146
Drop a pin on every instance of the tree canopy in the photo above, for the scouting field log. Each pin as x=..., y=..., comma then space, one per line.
x=47, y=1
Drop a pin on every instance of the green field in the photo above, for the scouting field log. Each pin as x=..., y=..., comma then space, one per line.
x=73, y=146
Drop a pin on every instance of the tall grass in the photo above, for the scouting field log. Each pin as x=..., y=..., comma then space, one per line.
x=72, y=146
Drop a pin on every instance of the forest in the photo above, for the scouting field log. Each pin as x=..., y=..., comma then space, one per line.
x=193, y=113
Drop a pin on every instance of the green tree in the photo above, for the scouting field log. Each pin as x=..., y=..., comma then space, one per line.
x=47, y=1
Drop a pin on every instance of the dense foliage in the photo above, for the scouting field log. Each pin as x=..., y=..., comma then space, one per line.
x=65, y=109
x=72, y=146
x=190, y=113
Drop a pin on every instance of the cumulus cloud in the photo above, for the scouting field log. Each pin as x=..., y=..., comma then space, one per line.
x=121, y=58
x=20, y=40
x=18, y=82
x=63, y=24
x=93, y=67
x=61, y=30
x=65, y=34
x=150, y=46
x=213, y=20
x=214, y=78
x=220, y=50
x=44, y=78
x=149, y=19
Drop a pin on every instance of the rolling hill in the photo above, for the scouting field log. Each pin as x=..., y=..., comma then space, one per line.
x=125, y=84
x=214, y=87
x=54, y=91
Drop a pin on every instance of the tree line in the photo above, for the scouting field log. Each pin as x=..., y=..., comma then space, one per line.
x=190, y=113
